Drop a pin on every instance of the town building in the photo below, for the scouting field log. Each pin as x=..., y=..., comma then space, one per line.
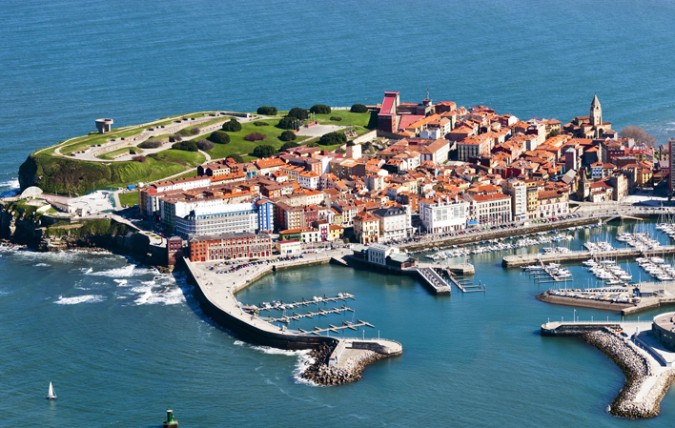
x=230, y=246
x=442, y=217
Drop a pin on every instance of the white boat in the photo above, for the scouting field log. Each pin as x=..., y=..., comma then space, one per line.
x=51, y=395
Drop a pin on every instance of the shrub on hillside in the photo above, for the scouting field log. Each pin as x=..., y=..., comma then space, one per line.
x=204, y=145
x=255, y=136
x=259, y=123
x=320, y=109
x=232, y=126
x=288, y=122
x=189, y=132
x=187, y=146
x=335, y=118
x=298, y=113
x=264, y=151
x=150, y=144
x=173, y=138
x=289, y=145
x=219, y=137
x=139, y=158
x=267, y=110
x=332, y=138
x=358, y=108
x=287, y=136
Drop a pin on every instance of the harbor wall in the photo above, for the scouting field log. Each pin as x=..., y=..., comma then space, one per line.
x=245, y=331
x=581, y=302
x=641, y=395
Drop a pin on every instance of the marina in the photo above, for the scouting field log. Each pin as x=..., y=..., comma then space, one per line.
x=520, y=260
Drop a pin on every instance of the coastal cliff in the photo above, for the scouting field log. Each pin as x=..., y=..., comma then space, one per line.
x=24, y=224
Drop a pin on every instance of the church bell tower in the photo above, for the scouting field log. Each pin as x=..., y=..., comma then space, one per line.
x=595, y=115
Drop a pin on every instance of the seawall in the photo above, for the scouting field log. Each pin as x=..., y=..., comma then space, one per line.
x=337, y=360
x=646, y=380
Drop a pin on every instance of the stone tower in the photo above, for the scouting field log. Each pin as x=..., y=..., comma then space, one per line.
x=595, y=115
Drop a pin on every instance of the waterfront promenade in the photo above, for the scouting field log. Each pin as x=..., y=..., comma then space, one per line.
x=647, y=364
x=217, y=290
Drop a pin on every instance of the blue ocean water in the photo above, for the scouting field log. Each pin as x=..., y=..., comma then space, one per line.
x=122, y=343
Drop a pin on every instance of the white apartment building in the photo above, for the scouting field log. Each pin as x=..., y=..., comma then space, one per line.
x=444, y=217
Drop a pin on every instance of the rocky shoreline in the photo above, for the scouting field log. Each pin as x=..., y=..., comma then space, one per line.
x=322, y=373
x=632, y=402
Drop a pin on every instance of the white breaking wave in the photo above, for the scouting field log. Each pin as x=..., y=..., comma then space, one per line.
x=41, y=265
x=127, y=271
x=122, y=282
x=12, y=183
x=90, y=298
x=154, y=292
x=304, y=359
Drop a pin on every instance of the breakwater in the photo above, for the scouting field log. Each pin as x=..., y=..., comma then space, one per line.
x=646, y=380
x=346, y=357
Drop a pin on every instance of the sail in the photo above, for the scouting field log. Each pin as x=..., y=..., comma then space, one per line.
x=50, y=393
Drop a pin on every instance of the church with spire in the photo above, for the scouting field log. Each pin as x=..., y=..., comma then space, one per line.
x=591, y=126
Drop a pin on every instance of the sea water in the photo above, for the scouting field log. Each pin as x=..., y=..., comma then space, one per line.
x=123, y=342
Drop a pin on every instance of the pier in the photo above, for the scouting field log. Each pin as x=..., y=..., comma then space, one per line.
x=647, y=363
x=216, y=295
x=435, y=282
x=514, y=261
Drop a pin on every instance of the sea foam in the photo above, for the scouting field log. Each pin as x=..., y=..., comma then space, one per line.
x=89, y=298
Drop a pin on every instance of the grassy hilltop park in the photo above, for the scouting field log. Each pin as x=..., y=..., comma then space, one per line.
x=172, y=146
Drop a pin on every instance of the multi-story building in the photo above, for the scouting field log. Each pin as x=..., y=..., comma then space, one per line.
x=395, y=223
x=367, y=228
x=518, y=191
x=150, y=196
x=444, y=217
x=490, y=209
x=230, y=246
x=553, y=203
x=671, y=157
x=227, y=219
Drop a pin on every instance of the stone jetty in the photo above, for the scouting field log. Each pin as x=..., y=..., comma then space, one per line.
x=647, y=381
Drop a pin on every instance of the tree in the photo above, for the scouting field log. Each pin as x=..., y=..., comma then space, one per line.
x=639, y=135
x=232, y=126
x=219, y=137
x=204, y=145
x=332, y=138
x=289, y=145
x=320, y=109
x=298, y=113
x=236, y=157
x=358, y=108
x=288, y=122
x=287, y=136
x=150, y=144
x=255, y=136
x=188, y=146
x=264, y=151
x=174, y=138
x=259, y=123
x=267, y=110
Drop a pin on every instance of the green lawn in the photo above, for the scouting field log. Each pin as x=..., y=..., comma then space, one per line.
x=182, y=157
x=129, y=198
x=124, y=151
x=240, y=146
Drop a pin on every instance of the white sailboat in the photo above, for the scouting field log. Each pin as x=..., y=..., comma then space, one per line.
x=51, y=395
